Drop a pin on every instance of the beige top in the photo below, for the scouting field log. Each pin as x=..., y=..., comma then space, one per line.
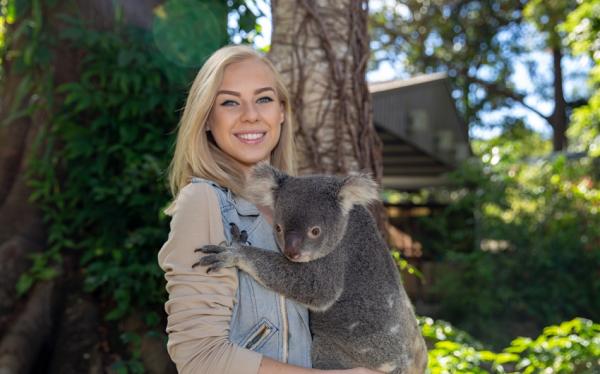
x=200, y=305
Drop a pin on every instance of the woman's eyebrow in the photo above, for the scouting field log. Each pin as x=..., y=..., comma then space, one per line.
x=256, y=92
x=228, y=92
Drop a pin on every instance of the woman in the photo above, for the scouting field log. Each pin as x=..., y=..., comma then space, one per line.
x=237, y=114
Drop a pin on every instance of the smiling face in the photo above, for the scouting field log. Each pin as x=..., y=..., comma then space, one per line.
x=246, y=118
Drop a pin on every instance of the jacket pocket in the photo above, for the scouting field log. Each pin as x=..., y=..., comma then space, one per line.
x=259, y=335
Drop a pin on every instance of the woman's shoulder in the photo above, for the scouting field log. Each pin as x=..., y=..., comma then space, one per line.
x=197, y=192
x=195, y=202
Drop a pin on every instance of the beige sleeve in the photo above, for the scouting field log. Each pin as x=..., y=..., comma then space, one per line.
x=200, y=305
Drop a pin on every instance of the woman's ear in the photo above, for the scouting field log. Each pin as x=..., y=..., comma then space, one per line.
x=282, y=110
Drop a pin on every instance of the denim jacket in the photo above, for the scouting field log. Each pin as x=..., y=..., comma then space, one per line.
x=262, y=320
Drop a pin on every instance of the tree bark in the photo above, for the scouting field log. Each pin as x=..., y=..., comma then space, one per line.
x=322, y=48
x=558, y=119
x=22, y=343
x=76, y=349
x=22, y=231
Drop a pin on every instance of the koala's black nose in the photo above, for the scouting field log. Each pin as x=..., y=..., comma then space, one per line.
x=293, y=241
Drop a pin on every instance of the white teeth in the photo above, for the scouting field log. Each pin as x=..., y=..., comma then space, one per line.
x=250, y=136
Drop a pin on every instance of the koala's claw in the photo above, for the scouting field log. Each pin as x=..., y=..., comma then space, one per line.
x=211, y=249
x=212, y=261
x=237, y=236
x=225, y=254
x=217, y=261
x=218, y=256
x=207, y=260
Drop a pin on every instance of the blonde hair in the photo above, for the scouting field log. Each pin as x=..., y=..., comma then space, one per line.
x=196, y=154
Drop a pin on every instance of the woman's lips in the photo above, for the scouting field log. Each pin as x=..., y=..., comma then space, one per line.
x=251, y=137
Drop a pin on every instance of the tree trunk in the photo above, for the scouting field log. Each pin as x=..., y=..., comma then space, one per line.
x=21, y=227
x=29, y=325
x=322, y=48
x=558, y=119
x=26, y=337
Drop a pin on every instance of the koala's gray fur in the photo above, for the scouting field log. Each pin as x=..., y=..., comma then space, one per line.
x=360, y=314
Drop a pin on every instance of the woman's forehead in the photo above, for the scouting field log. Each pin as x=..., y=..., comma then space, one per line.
x=247, y=72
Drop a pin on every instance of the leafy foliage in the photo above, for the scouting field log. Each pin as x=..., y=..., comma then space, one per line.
x=547, y=16
x=583, y=26
x=571, y=347
x=99, y=175
x=111, y=137
x=534, y=257
x=481, y=46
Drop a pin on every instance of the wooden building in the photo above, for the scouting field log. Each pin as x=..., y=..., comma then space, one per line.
x=423, y=139
x=423, y=135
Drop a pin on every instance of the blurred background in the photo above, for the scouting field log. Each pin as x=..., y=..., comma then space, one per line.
x=480, y=119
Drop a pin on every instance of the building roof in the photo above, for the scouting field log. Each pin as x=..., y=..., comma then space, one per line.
x=423, y=135
x=399, y=83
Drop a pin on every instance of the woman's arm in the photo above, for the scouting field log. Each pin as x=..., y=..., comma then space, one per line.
x=269, y=366
x=200, y=305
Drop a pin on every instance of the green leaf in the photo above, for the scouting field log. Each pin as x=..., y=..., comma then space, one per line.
x=24, y=284
x=503, y=358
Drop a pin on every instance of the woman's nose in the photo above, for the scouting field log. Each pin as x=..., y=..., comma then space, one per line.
x=250, y=113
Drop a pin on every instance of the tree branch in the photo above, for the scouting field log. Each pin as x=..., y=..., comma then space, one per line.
x=508, y=93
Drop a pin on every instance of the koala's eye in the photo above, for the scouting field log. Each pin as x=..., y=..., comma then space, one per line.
x=278, y=228
x=314, y=232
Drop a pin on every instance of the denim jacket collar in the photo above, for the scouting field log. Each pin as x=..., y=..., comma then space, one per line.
x=242, y=206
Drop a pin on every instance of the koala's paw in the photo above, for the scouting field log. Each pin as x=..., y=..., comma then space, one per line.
x=218, y=257
x=225, y=254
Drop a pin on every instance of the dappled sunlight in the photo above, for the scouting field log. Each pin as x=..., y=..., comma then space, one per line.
x=186, y=31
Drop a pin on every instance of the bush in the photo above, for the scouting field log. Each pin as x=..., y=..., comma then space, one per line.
x=544, y=213
x=111, y=137
x=571, y=347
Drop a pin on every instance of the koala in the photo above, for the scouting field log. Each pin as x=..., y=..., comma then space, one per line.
x=334, y=261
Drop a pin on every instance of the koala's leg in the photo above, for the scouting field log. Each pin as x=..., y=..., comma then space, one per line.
x=316, y=284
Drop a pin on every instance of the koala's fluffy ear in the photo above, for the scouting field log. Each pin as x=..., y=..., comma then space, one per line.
x=262, y=184
x=358, y=189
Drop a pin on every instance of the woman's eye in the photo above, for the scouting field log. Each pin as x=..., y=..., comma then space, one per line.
x=265, y=99
x=228, y=103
